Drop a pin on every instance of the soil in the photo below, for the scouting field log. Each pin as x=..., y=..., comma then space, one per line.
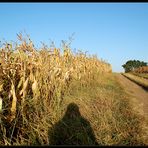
x=135, y=90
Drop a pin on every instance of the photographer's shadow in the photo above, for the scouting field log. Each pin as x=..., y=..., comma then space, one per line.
x=72, y=129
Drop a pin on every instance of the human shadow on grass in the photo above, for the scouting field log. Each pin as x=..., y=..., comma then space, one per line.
x=72, y=129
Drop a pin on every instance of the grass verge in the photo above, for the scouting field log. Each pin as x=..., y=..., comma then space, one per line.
x=143, y=75
x=109, y=111
x=139, y=80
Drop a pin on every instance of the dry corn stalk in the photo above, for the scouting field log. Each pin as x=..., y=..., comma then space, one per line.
x=23, y=91
x=1, y=103
x=14, y=100
x=53, y=70
x=1, y=87
x=34, y=86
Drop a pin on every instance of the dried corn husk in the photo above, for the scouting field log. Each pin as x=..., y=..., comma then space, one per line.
x=24, y=87
x=34, y=86
x=14, y=101
x=1, y=104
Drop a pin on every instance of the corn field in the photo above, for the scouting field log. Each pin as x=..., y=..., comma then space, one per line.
x=33, y=82
x=143, y=69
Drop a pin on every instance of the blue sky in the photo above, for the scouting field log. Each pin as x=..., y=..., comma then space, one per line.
x=116, y=32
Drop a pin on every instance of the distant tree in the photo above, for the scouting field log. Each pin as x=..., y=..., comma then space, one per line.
x=131, y=65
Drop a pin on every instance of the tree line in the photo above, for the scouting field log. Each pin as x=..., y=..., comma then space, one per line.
x=131, y=65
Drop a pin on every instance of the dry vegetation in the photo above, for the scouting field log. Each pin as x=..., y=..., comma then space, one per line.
x=143, y=69
x=143, y=75
x=141, y=72
x=36, y=87
x=139, y=80
x=33, y=83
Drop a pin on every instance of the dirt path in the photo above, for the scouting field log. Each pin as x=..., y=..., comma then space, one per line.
x=135, y=90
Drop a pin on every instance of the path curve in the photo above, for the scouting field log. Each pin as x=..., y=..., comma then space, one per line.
x=135, y=90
